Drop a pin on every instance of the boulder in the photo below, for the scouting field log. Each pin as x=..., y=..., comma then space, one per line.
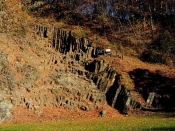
x=103, y=113
x=5, y=111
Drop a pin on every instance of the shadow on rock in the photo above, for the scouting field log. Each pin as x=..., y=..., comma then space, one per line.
x=164, y=87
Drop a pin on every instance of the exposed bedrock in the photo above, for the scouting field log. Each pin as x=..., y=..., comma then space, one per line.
x=5, y=111
x=101, y=73
x=66, y=43
x=109, y=82
x=77, y=52
x=73, y=80
x=68, y=75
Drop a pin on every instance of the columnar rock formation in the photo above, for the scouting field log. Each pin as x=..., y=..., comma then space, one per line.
x=99, y=72
x=54, y=68
x=65, y=43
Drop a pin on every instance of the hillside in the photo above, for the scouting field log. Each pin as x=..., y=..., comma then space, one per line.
x=49, y=69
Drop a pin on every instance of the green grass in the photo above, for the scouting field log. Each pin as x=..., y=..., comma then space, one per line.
x=153, y=123
x=1, y=42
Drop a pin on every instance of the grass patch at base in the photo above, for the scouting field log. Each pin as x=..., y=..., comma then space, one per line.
x=101, y=124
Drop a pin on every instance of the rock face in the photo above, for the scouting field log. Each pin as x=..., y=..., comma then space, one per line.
x=64, y=42
x=54, y=68
x=109, y=82
x=6, y=78
x=68, y=75
x=150, y=98
x=63, y=72
x=122, y=100
x=102, y=74
x=76, y=52
x=100, y=83
x=5, y=111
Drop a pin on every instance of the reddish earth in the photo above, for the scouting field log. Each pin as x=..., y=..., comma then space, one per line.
x=23, y=115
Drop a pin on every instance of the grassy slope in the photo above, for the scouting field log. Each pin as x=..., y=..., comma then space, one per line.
x=112, y=124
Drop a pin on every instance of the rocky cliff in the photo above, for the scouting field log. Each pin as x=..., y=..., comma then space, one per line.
x=44, y=66
x=61, y=72
x=81, y=52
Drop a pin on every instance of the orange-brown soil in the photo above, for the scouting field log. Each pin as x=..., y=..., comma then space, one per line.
x=23, y=115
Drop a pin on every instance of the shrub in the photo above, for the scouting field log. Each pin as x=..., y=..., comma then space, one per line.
x=161, y=50
x=164, y=43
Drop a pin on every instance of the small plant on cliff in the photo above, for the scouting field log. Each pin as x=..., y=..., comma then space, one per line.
x=80, y=32
x=119, y=47
x=1, y=42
